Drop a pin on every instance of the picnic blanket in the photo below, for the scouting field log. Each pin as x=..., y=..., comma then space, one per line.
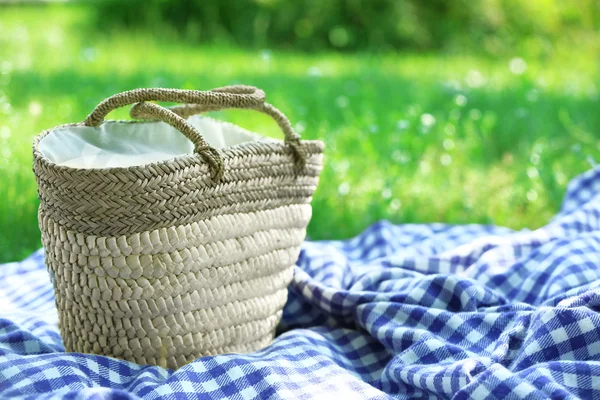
x=401, y=311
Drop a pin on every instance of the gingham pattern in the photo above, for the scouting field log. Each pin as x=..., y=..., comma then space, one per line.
x=410, y=311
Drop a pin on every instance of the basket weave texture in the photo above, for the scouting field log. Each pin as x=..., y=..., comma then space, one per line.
x=166, y=262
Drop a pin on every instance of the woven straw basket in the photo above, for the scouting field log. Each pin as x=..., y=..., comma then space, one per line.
x=168, y=261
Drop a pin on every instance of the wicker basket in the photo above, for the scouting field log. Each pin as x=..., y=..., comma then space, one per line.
x=169, y=261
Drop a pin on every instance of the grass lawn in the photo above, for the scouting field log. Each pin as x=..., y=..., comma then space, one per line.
x=413, y=138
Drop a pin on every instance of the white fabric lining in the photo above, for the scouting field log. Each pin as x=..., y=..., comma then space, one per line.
x=118, y=144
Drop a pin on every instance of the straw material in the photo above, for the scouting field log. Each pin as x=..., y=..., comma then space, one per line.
x=167, y=262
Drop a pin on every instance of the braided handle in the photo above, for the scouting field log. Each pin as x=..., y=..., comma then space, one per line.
x=187, y=110
x=210, y=154
x=237, y=96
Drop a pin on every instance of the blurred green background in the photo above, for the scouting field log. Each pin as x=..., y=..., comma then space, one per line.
x=432, y=111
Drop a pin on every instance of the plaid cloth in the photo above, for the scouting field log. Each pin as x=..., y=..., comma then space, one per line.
x=410, y=311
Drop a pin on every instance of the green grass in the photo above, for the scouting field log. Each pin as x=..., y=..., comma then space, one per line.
x=411, y=138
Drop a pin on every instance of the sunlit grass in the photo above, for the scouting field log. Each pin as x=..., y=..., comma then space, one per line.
x=410, y=138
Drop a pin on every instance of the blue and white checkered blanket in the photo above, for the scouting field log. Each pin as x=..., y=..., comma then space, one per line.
x=410, y=311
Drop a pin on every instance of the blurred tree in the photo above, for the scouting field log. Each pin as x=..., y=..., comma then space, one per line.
x=495, y=26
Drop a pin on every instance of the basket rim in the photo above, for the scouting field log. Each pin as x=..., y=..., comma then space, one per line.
x=267, y=144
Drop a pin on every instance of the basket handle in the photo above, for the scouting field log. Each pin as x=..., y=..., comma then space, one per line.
x=237, y=96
